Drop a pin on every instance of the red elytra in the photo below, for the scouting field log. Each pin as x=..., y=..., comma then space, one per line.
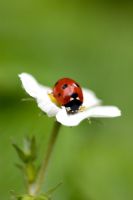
x=68, y=93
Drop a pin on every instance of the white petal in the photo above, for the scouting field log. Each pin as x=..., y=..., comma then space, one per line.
x=40, y=93
x=47, y=106
x=90, y=98
x=98, y=111
x=30, y=85
x=67, y=119
x=105, y=111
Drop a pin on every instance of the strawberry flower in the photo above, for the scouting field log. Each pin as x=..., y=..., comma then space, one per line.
x=91, y=104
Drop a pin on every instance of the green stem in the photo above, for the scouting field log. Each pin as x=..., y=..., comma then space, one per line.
x=44, y=165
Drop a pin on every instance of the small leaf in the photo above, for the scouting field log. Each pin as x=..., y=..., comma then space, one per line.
x=49, y=192
x=33, y=148
x=42, y=197
x=25, y=197
x=30, y=148
x=28, y=197
x=20, y=153
x=19, y=166
x=26, y=144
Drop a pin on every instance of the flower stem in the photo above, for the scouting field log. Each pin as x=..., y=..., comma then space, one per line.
x=44, y=165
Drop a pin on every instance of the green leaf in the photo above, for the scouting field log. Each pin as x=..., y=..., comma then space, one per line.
x=49, y=192
x=19, y=166
x=42, y=197
x=28, y=154
x=30, y=148
x=25, y=197
x=20, y=153
x=29, y=197
x=33, y=148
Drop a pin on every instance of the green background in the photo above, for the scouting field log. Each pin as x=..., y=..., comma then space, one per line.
x=91, y=42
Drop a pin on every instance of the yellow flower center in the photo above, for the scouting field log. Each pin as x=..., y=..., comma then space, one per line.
x=53, y=99
x=82, y=108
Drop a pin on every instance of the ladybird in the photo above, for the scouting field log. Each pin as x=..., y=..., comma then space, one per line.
x=68, y=93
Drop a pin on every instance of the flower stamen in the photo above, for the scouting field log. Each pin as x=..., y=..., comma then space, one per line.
x=82, y=108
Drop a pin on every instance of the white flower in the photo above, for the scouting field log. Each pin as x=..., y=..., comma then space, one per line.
x=91, y=103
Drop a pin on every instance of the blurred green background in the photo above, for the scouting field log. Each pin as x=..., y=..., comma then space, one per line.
x=91, y=42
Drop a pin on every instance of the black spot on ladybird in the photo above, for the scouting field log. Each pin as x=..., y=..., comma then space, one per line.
x=77, y=84
x=59, y=94
x=64, y=86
